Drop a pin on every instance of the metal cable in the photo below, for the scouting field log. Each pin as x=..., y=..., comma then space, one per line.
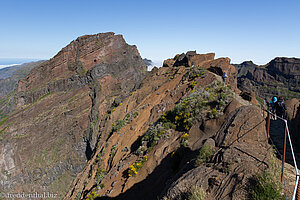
x=296, y=193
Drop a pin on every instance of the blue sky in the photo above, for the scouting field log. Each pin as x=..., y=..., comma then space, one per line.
x=257, y=30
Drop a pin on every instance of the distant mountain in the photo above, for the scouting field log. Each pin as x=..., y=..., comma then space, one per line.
x=10, y=61
x=244, y=67
x=280, y=77
x=148, y=62
x=10, y=76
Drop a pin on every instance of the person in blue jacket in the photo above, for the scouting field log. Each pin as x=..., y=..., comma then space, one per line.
x=272, y=105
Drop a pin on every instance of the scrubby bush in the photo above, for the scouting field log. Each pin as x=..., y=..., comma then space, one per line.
x=100, y=175
x=267, y=185
x=197, y=193
x=205, y=154
x=184, y=139
x=266, y=188
x=134, y=168
x=92, y=196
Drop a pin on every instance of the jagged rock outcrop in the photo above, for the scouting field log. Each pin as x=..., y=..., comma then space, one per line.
x=279, y=77
x=242, y=153
x=206, y=61
x=63, y=105
x=293, y=115
x=191, y=58
x=108, y=52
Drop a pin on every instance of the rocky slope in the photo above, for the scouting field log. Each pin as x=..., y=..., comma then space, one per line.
x=10, y=76
x=157, y=133
x=91, y=123
x=61, y=106
x=281, y=77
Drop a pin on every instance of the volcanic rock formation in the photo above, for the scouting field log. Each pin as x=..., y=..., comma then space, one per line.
x=92, y=123
x=62, y=107
x=281, y=77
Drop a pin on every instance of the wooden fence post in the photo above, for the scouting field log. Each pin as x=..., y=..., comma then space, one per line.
x=268, y=126
x=298, y=192
x=284, y=151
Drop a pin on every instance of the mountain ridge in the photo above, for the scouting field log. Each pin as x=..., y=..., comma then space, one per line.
x=93, y=123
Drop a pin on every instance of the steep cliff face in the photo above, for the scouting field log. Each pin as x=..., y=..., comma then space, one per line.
x=108, y=52
x=8, y=85
x=61, y=106
x=281, y=76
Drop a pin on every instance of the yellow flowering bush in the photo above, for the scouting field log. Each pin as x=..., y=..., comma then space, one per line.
x=134, y=168
x=194, y=83
x=185, y=136
x=92, y=196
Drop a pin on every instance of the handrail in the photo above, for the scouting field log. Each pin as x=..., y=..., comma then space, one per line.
x=292, y=151
x=297, y=186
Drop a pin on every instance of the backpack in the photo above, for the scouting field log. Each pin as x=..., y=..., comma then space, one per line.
x=282, y=105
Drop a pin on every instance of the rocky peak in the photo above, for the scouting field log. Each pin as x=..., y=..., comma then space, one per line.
x=107, y=52
x=284, y=68
x=90, y=50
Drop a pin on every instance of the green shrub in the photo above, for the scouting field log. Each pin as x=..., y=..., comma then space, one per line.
x=205, y=154
x=117, y=127
x=213, y=113
x=100, y=175
x=102, y=186
x=266, y=188
x=135, y=114
x=3, y=120
x=197, y=193
x=267, y=185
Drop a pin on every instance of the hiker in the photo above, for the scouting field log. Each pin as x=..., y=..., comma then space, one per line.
x=272, y=106
x=280, y=108
x=224, y=77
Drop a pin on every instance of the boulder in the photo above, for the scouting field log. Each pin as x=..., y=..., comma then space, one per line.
x=221, y=65
x=249, y=96
x=169, y=62
x=210, y=142
x=245, y=124
x=182, y=60
x=292, y=107
x=233, y=105
x=191, y=58
x=197, y=59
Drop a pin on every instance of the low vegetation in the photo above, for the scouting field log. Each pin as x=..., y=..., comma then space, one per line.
x=267, y=185
x=202, y=102
x=204, y=156
x=197, y=193
x=100, y=175
x=134, y=168
x=121, y=123
x=92, y=196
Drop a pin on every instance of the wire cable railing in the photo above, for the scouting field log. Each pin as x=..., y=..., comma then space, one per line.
x=296, y=191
